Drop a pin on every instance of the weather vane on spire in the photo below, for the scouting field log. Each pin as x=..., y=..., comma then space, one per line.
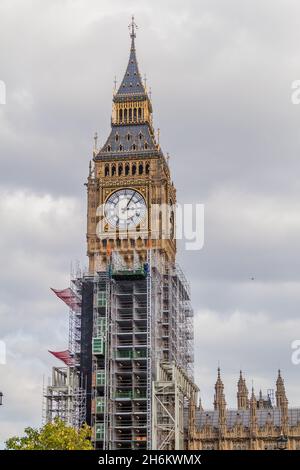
x=132, y=28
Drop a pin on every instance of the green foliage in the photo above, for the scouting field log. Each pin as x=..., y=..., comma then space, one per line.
x=52, y=436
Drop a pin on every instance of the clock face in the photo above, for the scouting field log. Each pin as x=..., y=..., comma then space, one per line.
x=125, y=209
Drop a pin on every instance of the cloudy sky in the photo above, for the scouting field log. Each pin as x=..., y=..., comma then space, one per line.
x=221, y=74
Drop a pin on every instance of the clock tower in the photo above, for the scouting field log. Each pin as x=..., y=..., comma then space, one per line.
x=129, y=363
x=131, y=198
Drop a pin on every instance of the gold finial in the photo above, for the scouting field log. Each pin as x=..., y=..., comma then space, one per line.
x=150, y=93
x=158, y=135
x=132, y=28
x=115, y=85
x=145, y=81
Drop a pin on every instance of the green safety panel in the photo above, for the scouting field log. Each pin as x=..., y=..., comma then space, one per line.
x=100, y=377
x=123, y=394
x=101, y=325
x=99, y=428
x=100, y=404
x=124, y=354
x=140, y=394
x=140, y=353
x=101, y=299
x=98, y=346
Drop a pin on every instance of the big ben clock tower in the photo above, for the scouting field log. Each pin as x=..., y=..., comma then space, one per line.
x=131, y=198
x=131, y=322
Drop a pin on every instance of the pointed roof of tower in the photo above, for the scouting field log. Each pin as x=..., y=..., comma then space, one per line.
x=241, y=380
x=219, y=380
x=279, y=381
x=242, y=393
x=253, y=398
x=219, y=392
x=132, y=83
x=219, y=386
x=281, y=397
x=242, y=387
x=135, y=134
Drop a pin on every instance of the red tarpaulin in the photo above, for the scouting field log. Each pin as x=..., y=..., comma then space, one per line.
x=69, y=298
x=64, y=356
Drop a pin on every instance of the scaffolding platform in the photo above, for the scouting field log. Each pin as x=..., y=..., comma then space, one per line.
x=134, y=273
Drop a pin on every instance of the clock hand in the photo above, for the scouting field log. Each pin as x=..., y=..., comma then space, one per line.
x=130, y=199
x=126, y=208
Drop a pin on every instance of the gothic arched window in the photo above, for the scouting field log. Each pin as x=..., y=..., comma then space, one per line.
x=106, y=171
x=120, y=169
x=141, y=168
x=133, y=169
x=147, y=168
x=121, y=115
x=113, y=170
x=127, y=169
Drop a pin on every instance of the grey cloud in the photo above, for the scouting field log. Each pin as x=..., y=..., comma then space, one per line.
x=220, y=74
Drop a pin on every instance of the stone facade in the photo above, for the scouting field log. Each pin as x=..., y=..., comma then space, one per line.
x=256, y=424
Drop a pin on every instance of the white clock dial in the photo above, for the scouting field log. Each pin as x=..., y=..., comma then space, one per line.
x=125, y=208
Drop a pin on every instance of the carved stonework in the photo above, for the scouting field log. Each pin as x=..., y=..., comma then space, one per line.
x=256, y=424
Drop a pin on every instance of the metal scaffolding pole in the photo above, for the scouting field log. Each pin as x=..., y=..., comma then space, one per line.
x=173, y=391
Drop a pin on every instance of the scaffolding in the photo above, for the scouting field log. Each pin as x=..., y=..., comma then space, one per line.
x=65, y=395
x=271, y=397
x=100, y=359
x=175, y=319
x=130, y=325
x=149, y=349
x=141, y=317
x=124, y=420
x=173, y=392
x=65, y=398
x=71, y=296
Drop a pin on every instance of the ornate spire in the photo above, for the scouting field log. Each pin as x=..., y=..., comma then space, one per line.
x=253, y=401
x=131, y=123
x=253, y=414
x=219, y=400
x=220, y=404
x=132, y=83
x=281, y=399
x=132, y=27
x=242, y=393
x=282, y=403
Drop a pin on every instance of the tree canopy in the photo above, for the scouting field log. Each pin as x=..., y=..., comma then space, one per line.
x=52, y=436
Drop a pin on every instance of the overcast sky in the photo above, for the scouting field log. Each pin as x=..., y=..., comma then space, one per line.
x=221, y=74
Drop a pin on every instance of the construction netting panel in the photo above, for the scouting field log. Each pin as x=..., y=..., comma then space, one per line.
x=69, y=297
x=64, y=356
